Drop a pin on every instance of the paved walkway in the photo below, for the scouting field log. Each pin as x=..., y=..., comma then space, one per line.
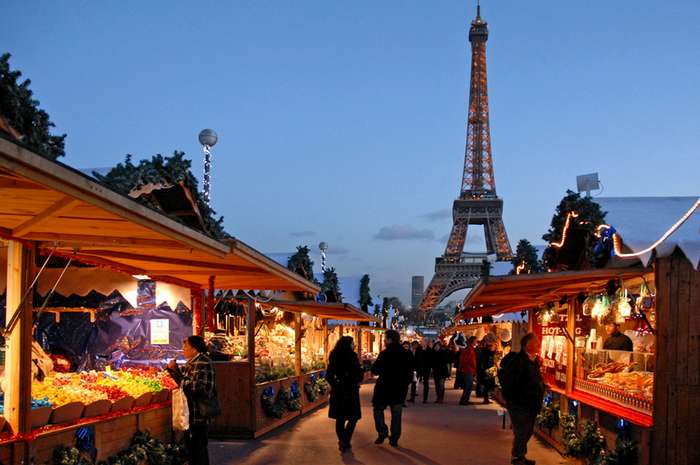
x=433, y=434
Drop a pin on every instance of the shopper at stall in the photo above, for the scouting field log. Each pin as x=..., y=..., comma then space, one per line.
x=393, y=367
x=467, y=369
x=197, y=380
x=616, y=340
x=344, y=374
x=441, y=356
x=523, y=389
x=484, y=373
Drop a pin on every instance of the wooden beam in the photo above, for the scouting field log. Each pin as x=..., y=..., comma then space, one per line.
x=215, y=271
x=18, y=362
x=176, y=261
x=7, y=182
x=49, y=239
x=61, y=205
x=20, y=161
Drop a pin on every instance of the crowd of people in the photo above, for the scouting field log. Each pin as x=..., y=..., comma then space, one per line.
x=399, y=369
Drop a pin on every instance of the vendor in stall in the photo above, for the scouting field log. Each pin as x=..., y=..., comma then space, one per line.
x=616, y=340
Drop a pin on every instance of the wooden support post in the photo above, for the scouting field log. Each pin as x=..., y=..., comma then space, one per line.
x=211, y=299
x=297, y=343
x=326, y=348
x=197, y=313
x=18, y=361
x=570, y=345
x=359, y=342
x=250, y=328
x=531, y=321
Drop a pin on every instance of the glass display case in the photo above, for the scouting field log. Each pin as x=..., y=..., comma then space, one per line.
x=626, y=378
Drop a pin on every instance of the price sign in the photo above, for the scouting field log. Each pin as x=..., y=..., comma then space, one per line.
x=160, y=332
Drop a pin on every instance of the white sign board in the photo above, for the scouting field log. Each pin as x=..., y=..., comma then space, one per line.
x=160, y=332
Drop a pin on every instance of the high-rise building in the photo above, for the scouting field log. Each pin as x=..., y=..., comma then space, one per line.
x=417, y=288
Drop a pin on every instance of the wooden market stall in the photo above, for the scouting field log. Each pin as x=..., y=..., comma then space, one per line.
x=645, y=394
x=51, y=212
x=285, y=378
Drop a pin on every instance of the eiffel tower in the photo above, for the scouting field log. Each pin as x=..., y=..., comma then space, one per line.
x=478, y=203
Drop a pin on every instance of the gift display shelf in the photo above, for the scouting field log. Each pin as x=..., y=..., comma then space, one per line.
x=633, y=401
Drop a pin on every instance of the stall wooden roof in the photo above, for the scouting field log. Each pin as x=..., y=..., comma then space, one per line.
x=332, y=311
x=58, y=207
x=503, y=294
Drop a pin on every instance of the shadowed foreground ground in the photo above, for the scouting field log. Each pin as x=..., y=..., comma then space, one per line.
x=432, y=435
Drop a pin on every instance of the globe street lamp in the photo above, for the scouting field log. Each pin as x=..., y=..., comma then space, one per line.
x=208, y=139
x=323, y=247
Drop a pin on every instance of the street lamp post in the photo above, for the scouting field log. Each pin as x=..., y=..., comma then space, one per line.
x=208, y=138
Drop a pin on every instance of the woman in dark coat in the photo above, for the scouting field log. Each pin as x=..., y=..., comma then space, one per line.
x=344, y=374
x=441, y=358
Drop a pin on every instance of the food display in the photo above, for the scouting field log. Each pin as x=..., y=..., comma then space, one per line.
x=86, y=388
x=623, y=377
x=223, y=346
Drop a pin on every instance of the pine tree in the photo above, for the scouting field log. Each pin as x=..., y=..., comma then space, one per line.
x=386, y=305
x=526, y=258
x=583, y=226
x=301, y=263
x=22, y=112
x=330, y=286
x=365, y=295
x=125, y=177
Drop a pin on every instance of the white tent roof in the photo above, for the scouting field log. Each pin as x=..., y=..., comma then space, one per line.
x=641, y=221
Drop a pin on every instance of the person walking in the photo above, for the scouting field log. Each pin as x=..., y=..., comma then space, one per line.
x=485, y=363
x=412, y=348
x=440, y=366
x=197, y=381
x=344, y=374
x=393, y=368
x=467, y=369
x=423, y=362
x=523, y=389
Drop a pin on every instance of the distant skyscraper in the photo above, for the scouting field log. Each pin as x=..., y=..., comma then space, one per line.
x=417, y=288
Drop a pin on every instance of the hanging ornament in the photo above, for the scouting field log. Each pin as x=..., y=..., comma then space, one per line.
x=588, y=305
x=622, y=306
x=601, y=308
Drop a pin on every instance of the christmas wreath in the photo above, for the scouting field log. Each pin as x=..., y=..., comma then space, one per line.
x=322, y=386
x=294, y=402
x=271, y=407
x=588, y=445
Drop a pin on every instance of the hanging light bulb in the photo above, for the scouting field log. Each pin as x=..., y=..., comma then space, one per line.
x=588, y=305
x=624, y=309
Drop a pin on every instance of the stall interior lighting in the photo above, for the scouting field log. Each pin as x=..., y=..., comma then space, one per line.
x=140, y=277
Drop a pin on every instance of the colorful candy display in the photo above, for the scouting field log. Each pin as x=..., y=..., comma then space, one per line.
x=88, y=387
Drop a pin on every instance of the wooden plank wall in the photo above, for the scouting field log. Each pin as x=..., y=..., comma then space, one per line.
x=233, y=388
x=676, y=432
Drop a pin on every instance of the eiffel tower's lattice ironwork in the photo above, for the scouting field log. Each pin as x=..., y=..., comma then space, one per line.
x=478, y=203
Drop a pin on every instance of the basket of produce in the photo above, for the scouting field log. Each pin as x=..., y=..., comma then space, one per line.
x=39, y=417
x=125, y=403
x=67, y=413
x=97, y=408
x=143, y=400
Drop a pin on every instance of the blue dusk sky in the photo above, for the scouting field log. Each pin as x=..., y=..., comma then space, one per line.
x=345, y=121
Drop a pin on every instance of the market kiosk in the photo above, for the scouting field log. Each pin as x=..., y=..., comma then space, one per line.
x=645, y=394
x=285, y=378
x=54, y=217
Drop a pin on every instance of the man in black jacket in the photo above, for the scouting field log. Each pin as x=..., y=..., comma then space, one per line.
x=395, y=371
x=523, y=389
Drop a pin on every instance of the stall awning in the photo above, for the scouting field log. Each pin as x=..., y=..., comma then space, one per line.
x=331, y=311
x=503, y=294
x=59, y=208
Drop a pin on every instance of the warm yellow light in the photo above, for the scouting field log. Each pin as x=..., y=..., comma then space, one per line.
x=565, y=230
x=140, y=276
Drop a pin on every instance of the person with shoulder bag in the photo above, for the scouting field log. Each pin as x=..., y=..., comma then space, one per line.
x=197, y=381
x=344, y=374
